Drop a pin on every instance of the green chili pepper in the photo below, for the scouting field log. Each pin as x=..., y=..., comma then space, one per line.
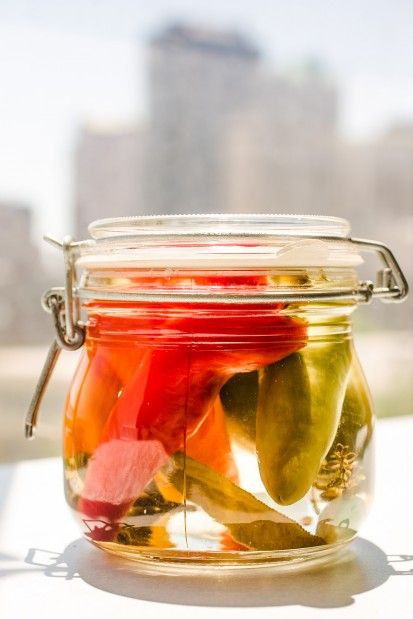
x=239, y=398
x=248, y=520
x=299, y=406
x=356, y=422
x=341, y=472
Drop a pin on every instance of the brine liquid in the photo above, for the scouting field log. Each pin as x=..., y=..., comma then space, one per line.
x=206, y=431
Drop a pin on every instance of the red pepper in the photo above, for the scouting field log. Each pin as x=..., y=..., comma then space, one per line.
x=211, y=445
x=100, y=377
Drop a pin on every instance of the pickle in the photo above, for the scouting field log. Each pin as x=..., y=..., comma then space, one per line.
x=356, y=422
x=299, y=406
x=342, y=470
x=248, y=520
x=239, y=398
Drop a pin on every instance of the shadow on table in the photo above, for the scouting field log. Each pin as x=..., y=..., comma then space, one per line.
x=365, y=567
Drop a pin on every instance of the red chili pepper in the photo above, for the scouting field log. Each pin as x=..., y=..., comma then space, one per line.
x=99, y=379
x=211, y=445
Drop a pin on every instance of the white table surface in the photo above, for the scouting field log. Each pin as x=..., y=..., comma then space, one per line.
x=47, y=570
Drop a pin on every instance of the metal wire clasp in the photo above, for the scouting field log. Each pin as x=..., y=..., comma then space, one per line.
x=61, y=303
x=53, y=301
x=69, y=331
x=391, y=284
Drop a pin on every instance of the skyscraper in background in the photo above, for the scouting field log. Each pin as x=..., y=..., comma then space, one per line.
x=282, y=149
x=394, y=166
x=222, y=135
x=199, y=80
x=108, y=174
x=374, y=184
x=22, y=279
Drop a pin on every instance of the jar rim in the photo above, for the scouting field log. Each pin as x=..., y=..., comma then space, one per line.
x=220, y=224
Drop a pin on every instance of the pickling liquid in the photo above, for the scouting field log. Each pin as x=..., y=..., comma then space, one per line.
x=218, y=433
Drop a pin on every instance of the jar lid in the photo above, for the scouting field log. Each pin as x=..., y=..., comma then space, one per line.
x=218, y=241
x=220, y=224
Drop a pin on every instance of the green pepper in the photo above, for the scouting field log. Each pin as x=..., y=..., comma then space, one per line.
x=239, y=398
x=299, y=406
x=356, y=421
x=342, y=470
x=248, y=520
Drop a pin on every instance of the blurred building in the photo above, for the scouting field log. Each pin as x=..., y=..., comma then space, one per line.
x=22, y=280
x=198, y=80
x=394, y=203
x=394, y=171
x=108, y=174
x=282, y=150
x=374, y=181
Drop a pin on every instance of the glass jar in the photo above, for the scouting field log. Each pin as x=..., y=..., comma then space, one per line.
x=219, y=413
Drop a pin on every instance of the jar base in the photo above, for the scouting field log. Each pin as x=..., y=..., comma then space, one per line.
x=167, y=560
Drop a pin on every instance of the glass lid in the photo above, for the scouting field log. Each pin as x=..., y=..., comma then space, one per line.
x=220, y=225
x=230, y=245
x=218, y=241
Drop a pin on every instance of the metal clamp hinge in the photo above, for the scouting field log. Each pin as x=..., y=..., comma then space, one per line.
x=69, y=334
x=391, y=284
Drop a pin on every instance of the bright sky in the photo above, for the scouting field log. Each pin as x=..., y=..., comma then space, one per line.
x=65, y=62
